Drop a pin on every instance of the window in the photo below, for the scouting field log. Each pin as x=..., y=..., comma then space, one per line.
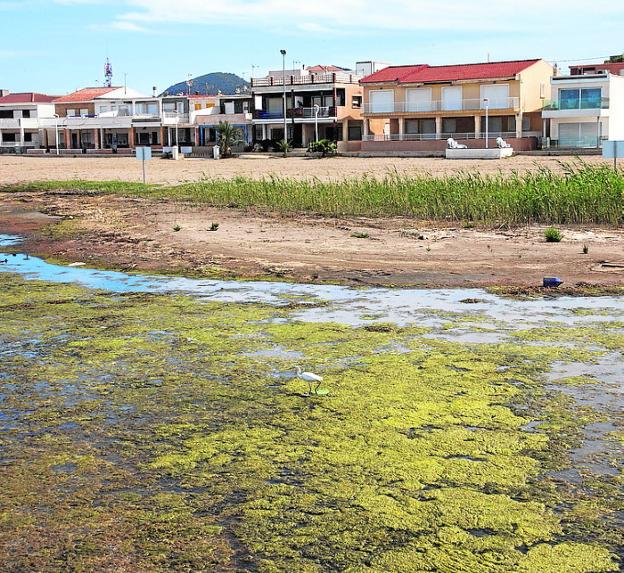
x=584, y=98
x=28, y=137
x=84, y=111
x=381, y=101
x=71, y=113
x=420, y=126
x=497, y=96
x=169, y=106
x=356, y=102
x=452, y=98
x=197, y=106
x=26, y=113
x=355, y=131
x=8, y=137
x=591, y=98
x=419, y=99
x=6, y=114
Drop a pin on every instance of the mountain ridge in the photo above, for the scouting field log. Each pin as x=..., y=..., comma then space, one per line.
x=209, y=84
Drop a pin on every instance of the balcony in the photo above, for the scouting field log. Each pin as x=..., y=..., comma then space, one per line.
x=297, y=113
x=437, y=106
x=441, y=136
x=173, y=118
x=603, y=103
x=332, y=78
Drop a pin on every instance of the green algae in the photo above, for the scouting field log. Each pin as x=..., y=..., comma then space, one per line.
x=144, y=434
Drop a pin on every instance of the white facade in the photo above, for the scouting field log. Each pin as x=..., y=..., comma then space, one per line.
x=585, y=110
x=20, y=124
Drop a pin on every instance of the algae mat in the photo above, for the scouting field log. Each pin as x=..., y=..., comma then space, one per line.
x=152, y=433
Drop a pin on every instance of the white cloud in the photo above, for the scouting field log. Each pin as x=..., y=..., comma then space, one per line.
x=127, y=26
x=369, y=15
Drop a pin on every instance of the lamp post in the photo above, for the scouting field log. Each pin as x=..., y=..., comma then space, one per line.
x=486, y=101
x=317, y=108
x=177, y=126
x=283, y=52
x=56, y=130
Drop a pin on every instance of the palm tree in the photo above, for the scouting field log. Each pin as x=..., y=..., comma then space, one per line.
x=228, y=137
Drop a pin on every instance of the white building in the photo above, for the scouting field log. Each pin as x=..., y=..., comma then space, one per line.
x=584, y=110
x=20, y=120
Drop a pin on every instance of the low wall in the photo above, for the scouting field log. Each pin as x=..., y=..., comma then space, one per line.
x=492, y=153
x=439, y=145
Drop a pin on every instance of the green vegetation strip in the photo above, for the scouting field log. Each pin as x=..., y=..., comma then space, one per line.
x=146, y=433
x=583, y=194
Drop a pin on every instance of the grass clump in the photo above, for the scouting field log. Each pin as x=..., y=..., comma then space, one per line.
x=553, y=235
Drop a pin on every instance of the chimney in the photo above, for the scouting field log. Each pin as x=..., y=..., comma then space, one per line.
x=4, y=93
x=153, y=91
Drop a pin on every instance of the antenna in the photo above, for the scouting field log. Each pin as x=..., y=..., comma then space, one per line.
x=189, y=83
x=108, y=74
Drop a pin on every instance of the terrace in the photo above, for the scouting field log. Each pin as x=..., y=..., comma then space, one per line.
x=384, y=108
x=298, y=80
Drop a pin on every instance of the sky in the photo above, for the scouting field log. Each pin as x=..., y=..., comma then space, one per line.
x=57, y=46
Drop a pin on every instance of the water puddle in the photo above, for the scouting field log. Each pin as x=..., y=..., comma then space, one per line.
x=351, y=306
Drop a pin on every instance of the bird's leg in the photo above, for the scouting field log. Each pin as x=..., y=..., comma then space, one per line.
x=318, y=386
x=309, y=388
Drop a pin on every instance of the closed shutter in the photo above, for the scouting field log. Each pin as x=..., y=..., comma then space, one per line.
x=498, y=96
x=382, y=101
x=452, y=98
x=419, y=99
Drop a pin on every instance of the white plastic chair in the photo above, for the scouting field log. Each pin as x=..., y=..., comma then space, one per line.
x=501, y=143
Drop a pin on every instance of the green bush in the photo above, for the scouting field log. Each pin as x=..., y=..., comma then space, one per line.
x=553, y=235
x=324, y=146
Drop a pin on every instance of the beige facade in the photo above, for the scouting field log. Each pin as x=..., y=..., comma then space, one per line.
x=505, y=105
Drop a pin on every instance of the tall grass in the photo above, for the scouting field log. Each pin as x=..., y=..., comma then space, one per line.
x=582, y=194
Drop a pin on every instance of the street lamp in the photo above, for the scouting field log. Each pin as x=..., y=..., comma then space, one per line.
x=486, y=101
x=283, y=52
x=56, y=129
x=317, y=108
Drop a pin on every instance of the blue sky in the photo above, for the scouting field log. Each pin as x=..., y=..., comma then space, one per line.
x=56, y=46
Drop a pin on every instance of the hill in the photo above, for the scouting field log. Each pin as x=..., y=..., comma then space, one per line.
x=209, y=84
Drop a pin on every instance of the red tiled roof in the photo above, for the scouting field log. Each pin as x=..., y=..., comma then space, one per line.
x=425, y=73
x=27, y=97
x=84, y=95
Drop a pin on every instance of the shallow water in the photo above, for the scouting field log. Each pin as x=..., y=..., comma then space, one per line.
x=347, y=305
x=493, y=330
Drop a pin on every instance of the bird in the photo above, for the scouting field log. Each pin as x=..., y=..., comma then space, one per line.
x=310, y=378
x=4, y=261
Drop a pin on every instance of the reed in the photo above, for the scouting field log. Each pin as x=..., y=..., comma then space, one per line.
x=582, y=194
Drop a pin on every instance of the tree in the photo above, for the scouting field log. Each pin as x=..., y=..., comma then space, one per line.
x=228, y=137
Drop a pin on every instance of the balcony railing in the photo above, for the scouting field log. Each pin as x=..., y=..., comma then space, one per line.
x=506, y=103
x=438, y=136
x=330, y=78
x=297, y=113
x=573, y=105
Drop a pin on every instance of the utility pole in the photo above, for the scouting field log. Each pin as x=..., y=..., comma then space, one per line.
x=283, y=52
x=486, y=101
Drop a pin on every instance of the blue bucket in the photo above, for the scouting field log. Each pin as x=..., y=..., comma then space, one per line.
x=552, y=282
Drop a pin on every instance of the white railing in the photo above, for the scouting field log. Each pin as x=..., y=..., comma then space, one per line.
x=437, y=105
x=328, y=78
x=437, y=136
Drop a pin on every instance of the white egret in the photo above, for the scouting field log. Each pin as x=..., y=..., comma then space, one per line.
x=311, y=378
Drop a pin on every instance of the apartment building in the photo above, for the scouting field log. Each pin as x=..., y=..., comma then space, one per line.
x=20, y=121
x=323, y=99
x=585, y=108
x=418, y=107
x=118, y=119
x=210, y=111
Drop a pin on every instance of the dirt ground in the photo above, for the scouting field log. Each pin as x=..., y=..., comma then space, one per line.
x=140, y=234
x=14, y=169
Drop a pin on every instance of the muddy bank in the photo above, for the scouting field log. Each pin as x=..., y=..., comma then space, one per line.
x=144, y=235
